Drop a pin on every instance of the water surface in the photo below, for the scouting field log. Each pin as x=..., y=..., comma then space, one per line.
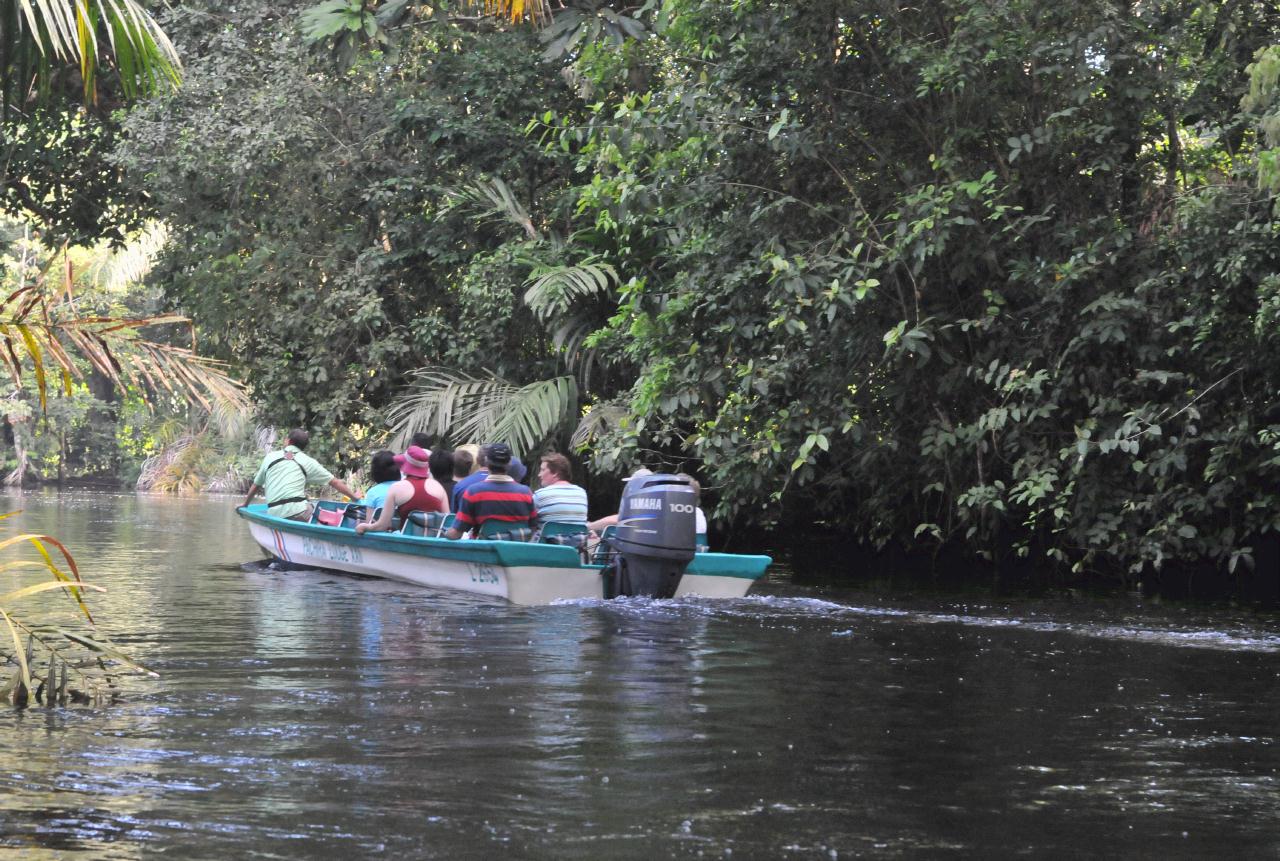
x=315, y=715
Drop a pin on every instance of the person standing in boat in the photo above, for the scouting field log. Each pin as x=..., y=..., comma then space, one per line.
x=417, y=491
x=284, y=475
x=556, y=498
x=498, y=497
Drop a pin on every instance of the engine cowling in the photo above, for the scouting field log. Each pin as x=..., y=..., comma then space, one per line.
x=655, y=537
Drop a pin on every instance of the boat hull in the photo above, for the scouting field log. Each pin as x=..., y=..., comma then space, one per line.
x=519, y=572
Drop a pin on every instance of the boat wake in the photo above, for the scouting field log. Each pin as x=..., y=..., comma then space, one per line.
x=782, y=610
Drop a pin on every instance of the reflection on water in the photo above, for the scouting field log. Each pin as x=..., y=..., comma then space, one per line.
x=313, y=715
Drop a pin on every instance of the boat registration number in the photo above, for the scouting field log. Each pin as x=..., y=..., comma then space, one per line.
x=332, y=552
x=483, y=573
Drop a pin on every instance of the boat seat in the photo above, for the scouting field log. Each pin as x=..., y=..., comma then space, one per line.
x=556, y=532
x=327, y=512
x=700, y=544
x=497, y=530
x=352, y=514
x=424, y=523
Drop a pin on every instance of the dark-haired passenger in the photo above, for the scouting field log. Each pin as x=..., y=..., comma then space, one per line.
x=442, y=469
x=384, y=472
x=423, y=441
x=556, y=498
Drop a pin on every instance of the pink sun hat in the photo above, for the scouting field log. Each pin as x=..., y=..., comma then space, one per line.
x=415, y=461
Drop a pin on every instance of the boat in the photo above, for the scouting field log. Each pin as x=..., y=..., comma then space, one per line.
x=522, y=572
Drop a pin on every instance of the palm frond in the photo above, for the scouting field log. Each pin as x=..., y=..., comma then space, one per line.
x=37, y=37
x=598, y=420
x=553, y=290
x=458, y=406
x=493, y=198
x=117, y=268
x=37, y=323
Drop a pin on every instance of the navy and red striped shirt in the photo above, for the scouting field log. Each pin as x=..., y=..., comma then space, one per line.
x=496, y=498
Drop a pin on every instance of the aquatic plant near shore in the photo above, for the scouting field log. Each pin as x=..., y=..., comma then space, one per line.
x=57, y=665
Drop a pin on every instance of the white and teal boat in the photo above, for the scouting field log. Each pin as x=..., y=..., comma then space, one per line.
x=521, y=572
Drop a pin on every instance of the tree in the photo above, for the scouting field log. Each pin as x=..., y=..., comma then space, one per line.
x=991, y=278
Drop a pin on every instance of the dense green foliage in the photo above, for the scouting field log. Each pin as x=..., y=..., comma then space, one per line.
x=1000, y=276
x=64, y=66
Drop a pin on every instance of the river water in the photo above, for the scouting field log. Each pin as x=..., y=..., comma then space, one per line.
x=314, y=715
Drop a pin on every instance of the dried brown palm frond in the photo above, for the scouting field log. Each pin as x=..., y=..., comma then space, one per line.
x=230, y=480
x=42, y=330
x=174, y=469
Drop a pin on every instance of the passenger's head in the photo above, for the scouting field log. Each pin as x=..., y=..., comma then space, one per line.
x=414, y=462
x=423, y=441
x=498, y=457
x=555, y=467
x=441, y=464
x=462, y=463
x=383, y=467
x=517, y=469
x=299, y=437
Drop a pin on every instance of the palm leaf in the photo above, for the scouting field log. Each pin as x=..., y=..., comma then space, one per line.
x=72, y=579
x=553, y=290
x=38, y=38
x=115, y=347
x=18, y=651
x=27, y=591
x=116, y=268
x=461, y=407
x=489, y=199
x=598, y=420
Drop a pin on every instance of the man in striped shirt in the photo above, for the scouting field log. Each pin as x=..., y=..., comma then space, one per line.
x=499, y=497
x=556, y=499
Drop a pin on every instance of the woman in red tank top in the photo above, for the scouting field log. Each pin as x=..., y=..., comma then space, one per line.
x=417, y=491
x=423, y=498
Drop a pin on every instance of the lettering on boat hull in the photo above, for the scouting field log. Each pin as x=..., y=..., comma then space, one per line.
x=333, y=552
x=483, y=573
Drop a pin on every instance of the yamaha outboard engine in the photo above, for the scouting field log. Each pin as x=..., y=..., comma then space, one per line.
x=655, y=538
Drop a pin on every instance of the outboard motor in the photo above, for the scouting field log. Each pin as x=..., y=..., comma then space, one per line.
x=655, y=538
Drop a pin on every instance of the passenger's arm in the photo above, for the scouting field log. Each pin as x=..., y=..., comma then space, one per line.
x=602, y=523
x=253, y=491
x=341, y=486
x=389, y=506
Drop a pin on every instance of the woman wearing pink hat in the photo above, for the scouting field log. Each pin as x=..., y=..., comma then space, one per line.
x=417, y=491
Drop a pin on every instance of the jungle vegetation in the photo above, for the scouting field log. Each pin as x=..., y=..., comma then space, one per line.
x=985, y=279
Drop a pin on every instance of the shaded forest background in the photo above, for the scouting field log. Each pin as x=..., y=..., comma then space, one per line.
x=995, y=281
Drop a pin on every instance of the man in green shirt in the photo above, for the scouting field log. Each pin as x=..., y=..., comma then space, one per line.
x=284, y=476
